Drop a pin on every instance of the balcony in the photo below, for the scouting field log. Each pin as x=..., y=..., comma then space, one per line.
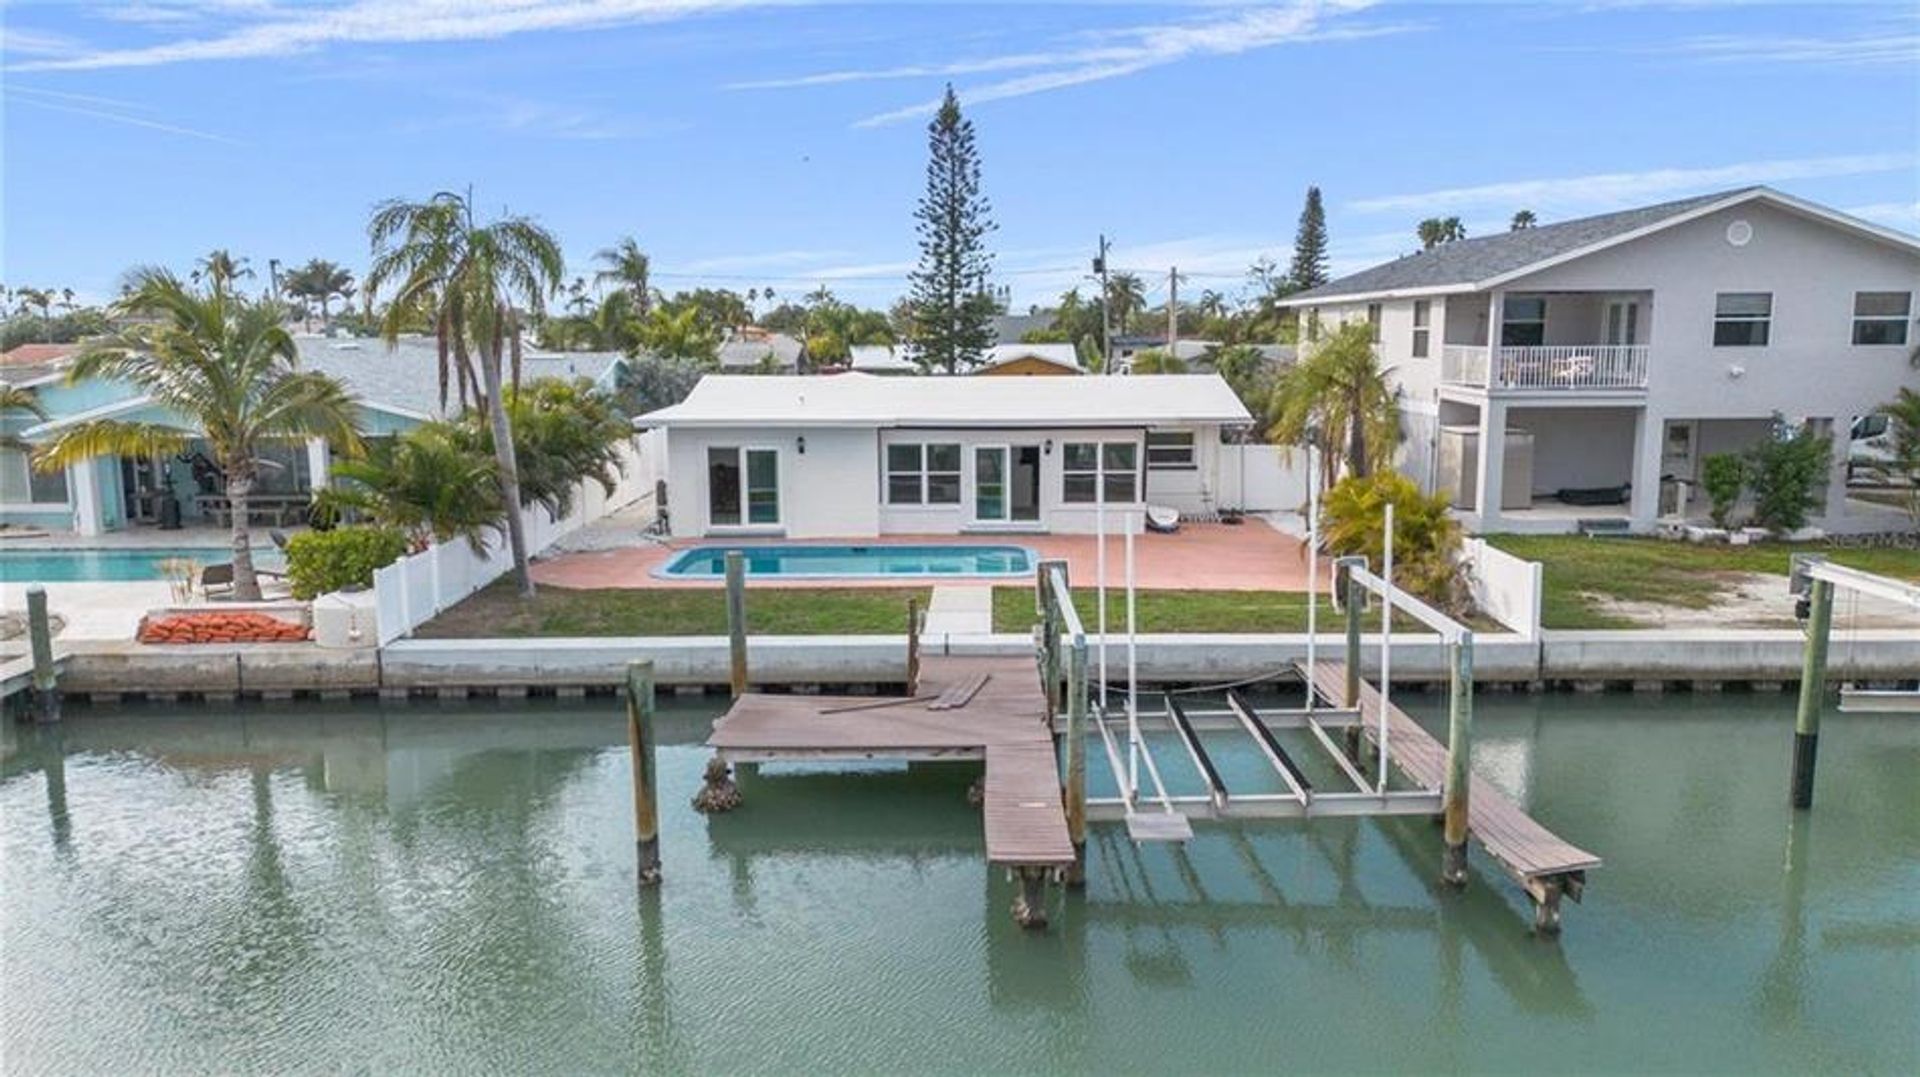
x=1548, y=369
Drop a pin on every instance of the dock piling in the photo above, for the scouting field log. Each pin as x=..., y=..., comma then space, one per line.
x=737, y=621
x=1813, y=689
x=46, y=683
x=1076, y=790
x=646, y=807
x=1454, y=795
x=1030, y=904
x=1355, y=596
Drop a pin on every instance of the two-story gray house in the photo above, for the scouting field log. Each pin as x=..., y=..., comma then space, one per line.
x=1608, y=356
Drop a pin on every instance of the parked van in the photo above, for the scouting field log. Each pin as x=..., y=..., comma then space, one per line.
x=1870, y=446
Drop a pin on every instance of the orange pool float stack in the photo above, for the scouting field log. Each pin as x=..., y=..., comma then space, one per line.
x=215, y=627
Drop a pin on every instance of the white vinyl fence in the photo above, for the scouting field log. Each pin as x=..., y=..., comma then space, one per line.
x=416, y=588
x=1505, y=587
x=1262, y=478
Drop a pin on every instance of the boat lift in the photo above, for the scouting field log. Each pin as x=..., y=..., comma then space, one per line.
x=1813, y=579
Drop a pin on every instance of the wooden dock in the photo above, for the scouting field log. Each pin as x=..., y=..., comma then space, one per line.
x=1542, y=862
x=963, y=708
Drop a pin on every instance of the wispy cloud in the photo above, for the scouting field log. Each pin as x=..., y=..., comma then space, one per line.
x=1857, y=50
x=1109, y=54
x=282, y=31
x=111, y=110
x=1613, y=189
x=1904, y=215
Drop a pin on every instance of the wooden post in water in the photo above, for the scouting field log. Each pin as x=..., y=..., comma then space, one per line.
x=646, y=795
x=46, y=684
x=1813, y=691
x=913, y=646
x=1051, y=664
x=1454, y=799
x=737, y=621
x=1076, y=790
x=1354, y=597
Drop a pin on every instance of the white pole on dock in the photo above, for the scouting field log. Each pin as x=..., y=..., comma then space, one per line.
x=1386, y=646
x=1100, y=587
x=1313, y=566
x=1133, y=674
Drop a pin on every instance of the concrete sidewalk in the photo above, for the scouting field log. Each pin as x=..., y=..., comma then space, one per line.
x=959, y=611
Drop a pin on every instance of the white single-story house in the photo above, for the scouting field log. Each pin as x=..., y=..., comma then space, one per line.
x=854, y=454
x=1000, y=359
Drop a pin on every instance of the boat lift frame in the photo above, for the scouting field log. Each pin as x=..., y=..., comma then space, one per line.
x=1812, y=579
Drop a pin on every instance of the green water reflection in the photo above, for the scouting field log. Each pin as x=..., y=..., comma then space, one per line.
x=450, y=889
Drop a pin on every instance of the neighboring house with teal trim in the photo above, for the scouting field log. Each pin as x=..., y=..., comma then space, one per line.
x=398, y=387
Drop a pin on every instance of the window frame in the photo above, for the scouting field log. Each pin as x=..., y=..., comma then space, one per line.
x=1101, y=473
x=923, y=474
x=1375, y=316
x=1508, y=321
x=743, y=462
x=29, y=478
x=1422, y=328
x=1728, y=321
x=1899, y=322
x=1186, y=450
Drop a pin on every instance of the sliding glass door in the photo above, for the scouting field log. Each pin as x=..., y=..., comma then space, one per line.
x=990, y=483
x=743, y=486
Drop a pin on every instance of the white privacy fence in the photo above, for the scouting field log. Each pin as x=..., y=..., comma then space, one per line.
x=1262, y=478
x=416, y=588
x=1505, y=587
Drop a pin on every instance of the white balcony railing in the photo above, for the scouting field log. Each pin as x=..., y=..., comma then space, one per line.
x=1554, y=366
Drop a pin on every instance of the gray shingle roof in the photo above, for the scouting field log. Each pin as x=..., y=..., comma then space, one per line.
x=406, y=376
x=1475, y=259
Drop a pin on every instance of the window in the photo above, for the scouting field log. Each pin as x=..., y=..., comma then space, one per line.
x=1373, y=320
x=1422, y=327
x=1524, y=322
x=1881, y=317
x=1100, y=471
x=20, y=484
x=1313, y=325
x=728, y=494
x=1741, y=319
x=923, y=474
x=1170, y=450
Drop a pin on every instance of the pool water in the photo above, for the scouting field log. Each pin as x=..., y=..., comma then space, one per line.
x=66, y=566
x=313, y=887
x=710, y=562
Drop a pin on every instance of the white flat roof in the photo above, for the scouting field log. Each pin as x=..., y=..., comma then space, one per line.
x=868, y=401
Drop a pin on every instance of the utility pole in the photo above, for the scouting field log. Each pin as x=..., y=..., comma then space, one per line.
x=1106, y=330
x=1173, y=309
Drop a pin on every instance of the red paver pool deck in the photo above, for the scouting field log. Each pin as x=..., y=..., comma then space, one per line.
x=1252, y=556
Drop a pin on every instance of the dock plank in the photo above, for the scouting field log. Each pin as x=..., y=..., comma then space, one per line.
x=1002, y=718
x=1517, y=841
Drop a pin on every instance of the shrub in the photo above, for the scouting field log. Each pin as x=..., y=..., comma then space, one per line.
x=1723, y=475
x=322, y=561
x=1426, y=537
x=1786, y=473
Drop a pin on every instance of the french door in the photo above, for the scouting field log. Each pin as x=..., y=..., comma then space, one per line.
x=990, y=468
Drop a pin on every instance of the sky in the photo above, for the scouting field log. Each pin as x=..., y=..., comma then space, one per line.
x=782, y=144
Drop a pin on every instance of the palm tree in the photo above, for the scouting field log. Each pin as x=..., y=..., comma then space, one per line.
x=1157, y=361
x=66, y=299
x=429, y=482
x=477, y=276
x=14, y=398
x=1437, y=230
x=1211, y=305
x=321, y=281
x=1522, y=221
x=678, y=334
x=1337, y=398
x=220, y=269
x=1125, y=294
x=221, y=363
x=627, y=268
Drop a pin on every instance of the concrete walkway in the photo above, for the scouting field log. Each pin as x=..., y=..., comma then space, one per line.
x=960, y=611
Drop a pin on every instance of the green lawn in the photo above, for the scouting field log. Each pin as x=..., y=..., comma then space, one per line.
x=1666, y=573
x=499, y=611
x=1176, y=611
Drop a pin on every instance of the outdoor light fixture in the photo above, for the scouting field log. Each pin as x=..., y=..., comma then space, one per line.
x=801, y=443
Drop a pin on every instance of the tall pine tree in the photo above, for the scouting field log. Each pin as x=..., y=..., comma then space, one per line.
x=953, y=307
x=1309, y=266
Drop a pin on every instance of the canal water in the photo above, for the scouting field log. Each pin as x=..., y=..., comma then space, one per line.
x=450, y=889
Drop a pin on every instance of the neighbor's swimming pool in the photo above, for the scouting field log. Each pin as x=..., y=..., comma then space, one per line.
x=66, y=566
x=710, y=562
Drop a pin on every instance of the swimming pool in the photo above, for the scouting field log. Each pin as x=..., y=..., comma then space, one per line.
x=66, y=566
x=710, y=562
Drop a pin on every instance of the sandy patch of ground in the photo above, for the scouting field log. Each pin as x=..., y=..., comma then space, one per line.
x=1758, y=600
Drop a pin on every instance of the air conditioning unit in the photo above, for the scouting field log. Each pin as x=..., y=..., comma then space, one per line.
x=1460, y=467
